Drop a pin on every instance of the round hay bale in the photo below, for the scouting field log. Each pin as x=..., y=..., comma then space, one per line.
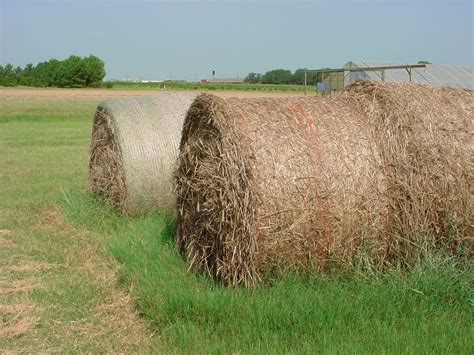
x=133, y=150
x=426, y=139
x=288, y=183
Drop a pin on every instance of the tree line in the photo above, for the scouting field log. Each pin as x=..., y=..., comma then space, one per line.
x=283, y=76
x=73, y=72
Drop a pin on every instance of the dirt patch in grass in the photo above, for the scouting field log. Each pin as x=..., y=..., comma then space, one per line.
x=6, y=232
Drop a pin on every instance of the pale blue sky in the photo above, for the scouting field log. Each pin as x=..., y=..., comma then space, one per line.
x=188, y=39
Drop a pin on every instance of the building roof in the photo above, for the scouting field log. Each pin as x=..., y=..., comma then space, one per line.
x=455, y=76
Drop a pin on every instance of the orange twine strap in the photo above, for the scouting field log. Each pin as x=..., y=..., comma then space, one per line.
x=324, y=211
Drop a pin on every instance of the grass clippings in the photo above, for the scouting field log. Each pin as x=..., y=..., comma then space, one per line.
x=21, y=327
x=30, y=266
x=17, y=308
x=21, y=286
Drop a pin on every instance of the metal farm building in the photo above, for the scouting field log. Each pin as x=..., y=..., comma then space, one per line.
x=441, y=75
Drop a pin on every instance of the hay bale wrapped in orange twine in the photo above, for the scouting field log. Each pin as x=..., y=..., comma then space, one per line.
x=305, y=183
x=288, y=183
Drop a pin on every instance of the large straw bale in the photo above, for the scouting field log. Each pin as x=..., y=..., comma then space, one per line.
x=426, y=139
x=289, y=183
x=134, y=148
x=371, y=176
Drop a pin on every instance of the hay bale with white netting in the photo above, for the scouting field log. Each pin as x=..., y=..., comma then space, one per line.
x=426, y=139
x=134, y=148
x=288, y=183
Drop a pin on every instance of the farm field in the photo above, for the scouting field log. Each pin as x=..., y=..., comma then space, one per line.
x=56, y=94
x=176, y=85
x=75, y=276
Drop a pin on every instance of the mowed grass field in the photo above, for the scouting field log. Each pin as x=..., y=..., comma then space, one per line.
x=75, y=276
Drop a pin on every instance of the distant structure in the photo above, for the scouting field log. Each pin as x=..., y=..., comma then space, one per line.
x=454, y=76
x=129, y=79
x=222, y=81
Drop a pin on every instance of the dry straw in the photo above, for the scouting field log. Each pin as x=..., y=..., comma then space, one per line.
x=288, y=183
x=305, y=183
x=426, y=138
x=134, y=148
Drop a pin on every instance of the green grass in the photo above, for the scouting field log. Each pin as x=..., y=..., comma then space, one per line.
x=176, y=85
x=44, y=151
x=43, y=169
x=44, y=146
x=429, y=309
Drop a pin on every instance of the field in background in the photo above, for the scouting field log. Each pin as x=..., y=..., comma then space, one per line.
x=176, y=85
x=74, y=275
x=96, y=95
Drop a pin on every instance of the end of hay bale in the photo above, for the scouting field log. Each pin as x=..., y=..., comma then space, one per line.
x=106, y=173
x=216, y=215
x=134, y=149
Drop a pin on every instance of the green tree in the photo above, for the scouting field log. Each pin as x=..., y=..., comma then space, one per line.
x=9, y=76
x=93, y=70
x=54, y=73
x=71, y=72
x=298, y=77
x=28, y=77
x=277, y=76
x=43, y=75
x=18, y=72
x=253, y=78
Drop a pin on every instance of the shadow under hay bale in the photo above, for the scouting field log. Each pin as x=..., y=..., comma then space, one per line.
x=289, y=183
x=133, y=151
x=426, y=138
x=307, y=183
